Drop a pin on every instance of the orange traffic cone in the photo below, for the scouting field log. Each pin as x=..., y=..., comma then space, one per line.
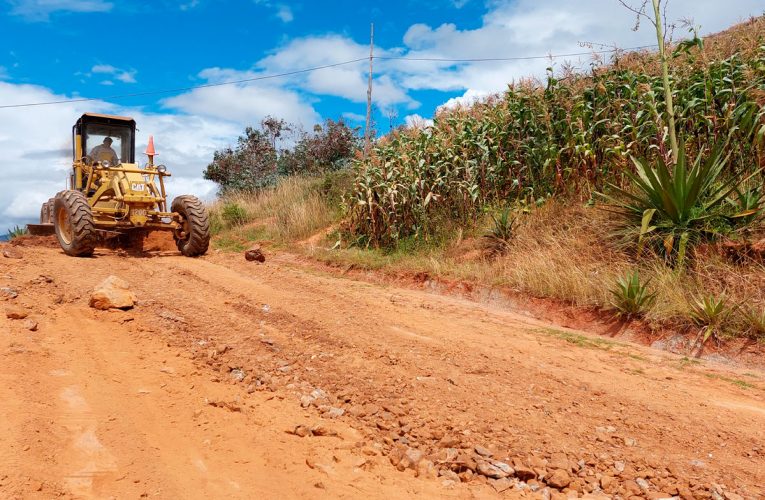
x=150, y=148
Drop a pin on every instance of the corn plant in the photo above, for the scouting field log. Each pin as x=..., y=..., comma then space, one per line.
x=565, y=137
x=630, y=296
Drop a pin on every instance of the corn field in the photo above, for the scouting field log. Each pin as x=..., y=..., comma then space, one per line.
x=567, y=137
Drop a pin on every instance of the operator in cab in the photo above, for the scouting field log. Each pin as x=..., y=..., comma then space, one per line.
x=104, y=152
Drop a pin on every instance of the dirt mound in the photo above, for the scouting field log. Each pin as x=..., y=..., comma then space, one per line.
x=35, y=241
x=159, y=241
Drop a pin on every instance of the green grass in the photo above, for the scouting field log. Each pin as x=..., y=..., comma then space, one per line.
x=738, y=382
x=229, y=244
x=580, y=340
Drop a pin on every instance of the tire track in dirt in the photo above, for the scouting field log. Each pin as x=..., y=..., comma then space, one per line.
x=129, y=415
x=403, y=369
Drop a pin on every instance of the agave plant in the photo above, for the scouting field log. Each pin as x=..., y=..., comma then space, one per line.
x=675, y=205
x=630, y=296
x=754, y=322
x=501, y=232
x=710, y=313
x=15, y=232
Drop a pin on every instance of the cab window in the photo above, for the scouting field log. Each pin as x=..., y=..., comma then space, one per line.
x=121, y=140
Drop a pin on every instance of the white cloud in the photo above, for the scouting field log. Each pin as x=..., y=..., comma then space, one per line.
x=356, y=117
x=190, y=5
x=281, y=10
x=348, y=81
x=534, y=28
x=40, y=10
x=246, y=104
x=467, y=99
x=284, y=12
x=416, y=121
x=125, y=76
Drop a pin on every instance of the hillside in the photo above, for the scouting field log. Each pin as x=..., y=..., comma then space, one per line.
x=505, y=195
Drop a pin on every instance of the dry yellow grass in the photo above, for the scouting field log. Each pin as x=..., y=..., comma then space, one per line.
x=563, y=252
x=560, y=251
x=294, y=209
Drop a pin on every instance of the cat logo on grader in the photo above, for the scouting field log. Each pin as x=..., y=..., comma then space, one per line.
x=112, y=200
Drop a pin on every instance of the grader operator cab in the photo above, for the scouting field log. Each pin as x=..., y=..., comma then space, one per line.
x=112, y=200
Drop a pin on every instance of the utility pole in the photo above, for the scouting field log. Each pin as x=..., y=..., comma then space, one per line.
x=368, y=130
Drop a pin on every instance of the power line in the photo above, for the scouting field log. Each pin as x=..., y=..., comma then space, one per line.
x=498, y=59
x=184, y=89
x=309, y=70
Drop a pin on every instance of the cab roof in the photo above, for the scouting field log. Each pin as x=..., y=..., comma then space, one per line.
x=110, y=117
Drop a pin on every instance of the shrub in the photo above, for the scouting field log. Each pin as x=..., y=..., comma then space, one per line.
x=330, y=147
x=754, y=322
x=233, y=213
x=251, y=165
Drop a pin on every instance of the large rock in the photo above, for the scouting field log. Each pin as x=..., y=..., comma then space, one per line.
x=12, y=253
x=112, y=293
x=255, y=254
x=559, y=479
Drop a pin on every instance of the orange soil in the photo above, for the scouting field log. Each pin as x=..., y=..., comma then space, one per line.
x=197, y=391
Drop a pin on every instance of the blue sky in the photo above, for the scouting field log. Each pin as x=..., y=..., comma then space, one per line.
x=60, y=49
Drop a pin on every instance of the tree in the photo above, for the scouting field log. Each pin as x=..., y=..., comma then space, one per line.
x=328, y=148
x=249, y=166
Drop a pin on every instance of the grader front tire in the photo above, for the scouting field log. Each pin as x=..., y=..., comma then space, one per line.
x=194, y=239
x=74, y=225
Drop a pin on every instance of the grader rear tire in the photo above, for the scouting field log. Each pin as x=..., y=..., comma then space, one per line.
x=194, y=239
x=73, y=221
x=46, y=212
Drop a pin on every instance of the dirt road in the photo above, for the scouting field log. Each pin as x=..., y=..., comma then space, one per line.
x=231, y=379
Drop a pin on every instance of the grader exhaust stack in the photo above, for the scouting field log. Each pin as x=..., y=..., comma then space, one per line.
x=112, y=200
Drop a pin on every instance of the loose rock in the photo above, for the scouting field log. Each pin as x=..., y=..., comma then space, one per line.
x=426, y=469
x=112, y=293
x=334, y=412
x=491, y=470
x=15, y=313
x=255, y=254
x=12, y=253
x=484, y=452
x=31, y=325
x=559, y=479
x=525, y=473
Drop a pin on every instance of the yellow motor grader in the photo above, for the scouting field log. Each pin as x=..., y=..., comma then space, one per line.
x=112, y=200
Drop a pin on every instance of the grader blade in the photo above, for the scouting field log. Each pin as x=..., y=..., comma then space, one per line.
x=41, y=229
